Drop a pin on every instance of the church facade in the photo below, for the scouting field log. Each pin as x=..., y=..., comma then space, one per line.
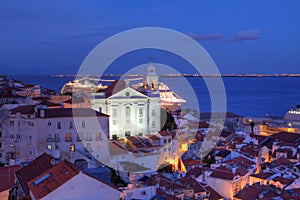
x=132, y=111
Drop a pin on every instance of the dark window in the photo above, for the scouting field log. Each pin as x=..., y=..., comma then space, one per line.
x=114, y=137
x=58, y=125
x=71, y=125
x=127, y=133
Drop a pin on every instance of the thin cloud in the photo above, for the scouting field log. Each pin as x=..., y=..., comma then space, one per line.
x=253, y=34
x=208, y=37
x=244, y=35
x=97, y=32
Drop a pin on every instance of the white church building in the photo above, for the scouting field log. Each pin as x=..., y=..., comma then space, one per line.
x=132, y=111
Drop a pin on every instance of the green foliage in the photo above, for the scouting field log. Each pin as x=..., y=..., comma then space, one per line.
x=167, y=120
x=116, y=180
x=165, y=168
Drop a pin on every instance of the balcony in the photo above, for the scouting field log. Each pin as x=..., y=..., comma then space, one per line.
x=50, y=140
x=68, y=139
x=56, y=139
x=88, y=139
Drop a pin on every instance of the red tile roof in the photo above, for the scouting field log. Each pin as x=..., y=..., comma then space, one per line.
x=213, y=195
x=241, y=162
x=195, y=172
x=7, y=177
x=263, y=175
x=27, y=109
x=164, y=133
x=249, y=193
x=287, y=137
x=192, y=183
x=190, y=162
x=113, y=88
x=283, y=181
x=52, y=179
x=227, y=174
x=69, y=112
x=34, y=169
x=281, y=161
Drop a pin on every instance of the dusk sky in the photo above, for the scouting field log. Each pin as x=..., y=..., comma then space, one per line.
x=53, y=37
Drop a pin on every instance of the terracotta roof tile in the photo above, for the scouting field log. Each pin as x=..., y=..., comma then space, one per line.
x=7, y=177
x=52, y=179
x=213, y=195
x=249, y=193
x=263, y=175
x=34, y=169
x=69, y=112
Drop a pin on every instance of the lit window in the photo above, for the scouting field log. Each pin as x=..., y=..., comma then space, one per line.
x=72, y=147
x=98, y=135
x=49, y=147
x=68, y=136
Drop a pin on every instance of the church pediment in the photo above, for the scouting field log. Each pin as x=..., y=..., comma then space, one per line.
x=127, y=92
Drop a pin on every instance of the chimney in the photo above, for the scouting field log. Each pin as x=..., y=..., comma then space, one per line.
x=203, y=176
x=42, y=113
x=233, y=169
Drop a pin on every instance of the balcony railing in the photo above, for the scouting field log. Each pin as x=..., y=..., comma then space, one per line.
x=88, y=139
x=50, y=140
x=56, y=139
x=68, y=139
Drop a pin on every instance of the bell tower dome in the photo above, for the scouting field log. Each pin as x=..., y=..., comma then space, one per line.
x=151, y=76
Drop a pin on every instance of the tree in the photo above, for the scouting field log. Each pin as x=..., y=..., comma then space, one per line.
x=252, y=124
x=167, y=120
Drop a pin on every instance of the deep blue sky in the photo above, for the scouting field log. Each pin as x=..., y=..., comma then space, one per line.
x=53, y=37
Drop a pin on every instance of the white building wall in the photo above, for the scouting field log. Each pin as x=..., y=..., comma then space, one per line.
x=124, y=111
x=37, y=135
x=84, y=187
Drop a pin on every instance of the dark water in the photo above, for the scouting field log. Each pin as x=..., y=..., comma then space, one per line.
x=245, y=96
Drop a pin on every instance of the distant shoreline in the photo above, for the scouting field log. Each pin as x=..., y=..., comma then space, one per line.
x=187, y=75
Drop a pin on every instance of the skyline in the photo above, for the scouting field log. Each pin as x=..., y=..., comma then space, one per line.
x=252, y=37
